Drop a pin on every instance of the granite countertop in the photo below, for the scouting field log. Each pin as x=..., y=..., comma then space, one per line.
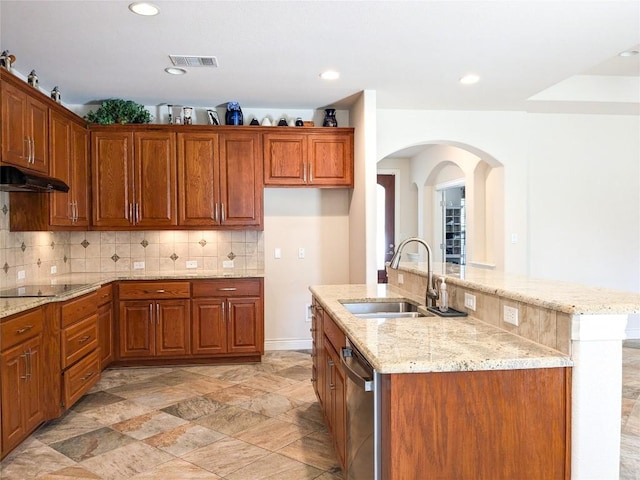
x=89, y=282
x=430, y=344
x=564, y=297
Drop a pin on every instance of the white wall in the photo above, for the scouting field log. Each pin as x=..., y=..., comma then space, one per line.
x=318, y=221
x=572, y=187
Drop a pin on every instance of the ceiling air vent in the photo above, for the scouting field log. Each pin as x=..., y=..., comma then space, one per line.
x=193, y=61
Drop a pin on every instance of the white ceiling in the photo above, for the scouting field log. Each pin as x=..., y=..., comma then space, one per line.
x=270, y=53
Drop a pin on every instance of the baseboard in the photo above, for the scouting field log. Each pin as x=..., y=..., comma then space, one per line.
x=288, y=344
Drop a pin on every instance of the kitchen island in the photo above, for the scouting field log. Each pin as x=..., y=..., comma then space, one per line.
x=584, y=323
x=456, y=397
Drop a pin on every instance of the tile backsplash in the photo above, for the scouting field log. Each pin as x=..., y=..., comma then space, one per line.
x=35, y=253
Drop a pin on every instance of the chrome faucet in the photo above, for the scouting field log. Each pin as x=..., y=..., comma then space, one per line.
x=432, y=293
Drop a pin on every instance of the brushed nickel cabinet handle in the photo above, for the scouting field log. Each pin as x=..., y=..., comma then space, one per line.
x=137, y=213
x=151, y=312
x=131, y=213
x=216, y=213
x=310, y=172
x=304, y=173
x=87, y=376
x=33, y=150
x=222, y=214
x=227, y=289
x=24, y=329
x=29, y=355
x=157, y=314
x=84, y=339
x=160, y=290
x=26, y=366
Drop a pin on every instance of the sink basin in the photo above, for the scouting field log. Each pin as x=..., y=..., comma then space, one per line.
x=385, y=309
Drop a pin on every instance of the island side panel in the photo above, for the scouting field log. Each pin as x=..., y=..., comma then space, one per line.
x=490, y=425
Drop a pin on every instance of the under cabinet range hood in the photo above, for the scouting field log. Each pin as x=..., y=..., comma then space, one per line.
x=12, y=179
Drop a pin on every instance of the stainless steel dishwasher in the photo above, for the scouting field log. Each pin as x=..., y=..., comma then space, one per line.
x=363, y=438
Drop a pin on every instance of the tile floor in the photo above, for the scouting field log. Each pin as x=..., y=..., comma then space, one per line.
x=234, y=422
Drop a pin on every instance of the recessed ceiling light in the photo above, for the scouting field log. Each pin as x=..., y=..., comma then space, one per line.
x=330, y=75
x=144, y=8
x=469, y=79
x=629, y=53
x=175, y=70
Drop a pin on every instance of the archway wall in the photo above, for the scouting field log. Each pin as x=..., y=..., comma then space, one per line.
x=498, y=139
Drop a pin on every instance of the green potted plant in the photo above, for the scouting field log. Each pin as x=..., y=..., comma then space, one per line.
x=119, y=111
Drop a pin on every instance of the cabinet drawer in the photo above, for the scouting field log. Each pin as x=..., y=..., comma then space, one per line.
x=153, y=290
x=333, y=333
x=20, y=328
x=249, y=287
x=105, y=294
x=80, y=378
x=79, y=339
x=78, y=308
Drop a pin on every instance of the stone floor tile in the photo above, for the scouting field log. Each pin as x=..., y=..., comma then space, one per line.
x=225, y=456
x=275, y=467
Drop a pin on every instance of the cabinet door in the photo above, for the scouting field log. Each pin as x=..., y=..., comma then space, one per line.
x=172, y=328
x=136, y=329
x=244, y=325
x=80, y=174
x=105, y=334
x=13, y=368
x=15, y=149
x=208, y=326
x=112, y=171
x=38, y=131
x=198, y=175
x=241, y=184
x=61, y=203
x=21, y=381
x=285, y=159
x=331, y=160
x=155, y=194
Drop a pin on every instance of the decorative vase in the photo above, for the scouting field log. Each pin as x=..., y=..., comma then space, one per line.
x=330, y=118
x=234, y=114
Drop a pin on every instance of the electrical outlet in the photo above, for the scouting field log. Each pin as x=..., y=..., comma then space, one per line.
x=192, y=264
x=277, y=252
x=301, y=252
x=138, y=265
x=400, y=279
x=470, y=301
x=54, y=270
x=21, y=274
x=308, y=312
x=227, y=264
x=510, y=315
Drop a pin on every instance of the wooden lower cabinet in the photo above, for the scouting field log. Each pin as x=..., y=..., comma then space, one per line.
x=153, y=328
x=105, y=325
x=482, y=425
x=228, y=317
x=21, y=377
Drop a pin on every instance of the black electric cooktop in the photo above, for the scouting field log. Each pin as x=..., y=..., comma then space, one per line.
x=38, y=290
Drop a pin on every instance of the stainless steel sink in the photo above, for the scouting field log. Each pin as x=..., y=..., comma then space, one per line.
x=383, y=309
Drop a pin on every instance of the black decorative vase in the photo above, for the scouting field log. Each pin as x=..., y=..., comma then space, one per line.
x=330, y=118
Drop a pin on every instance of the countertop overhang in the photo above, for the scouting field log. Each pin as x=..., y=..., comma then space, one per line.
x=430, y=344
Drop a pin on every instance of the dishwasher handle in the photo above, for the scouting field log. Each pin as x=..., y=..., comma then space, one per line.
x=365, y=384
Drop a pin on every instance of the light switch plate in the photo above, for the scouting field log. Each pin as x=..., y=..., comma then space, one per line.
x=54, y=270
x=227, y=264
x=21, y=274
x=138, y=265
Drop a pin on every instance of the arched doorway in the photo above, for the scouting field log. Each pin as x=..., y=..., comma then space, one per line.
x=431, y=166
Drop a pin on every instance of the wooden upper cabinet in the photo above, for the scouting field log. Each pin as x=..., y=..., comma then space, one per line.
x=112, y=169
x=285, y=159
x=134, y=179
x=198, y=174
x=318, y=158
x=155, y=179
x=330, y=160
x=241, y=191
x=220, y=178
x=69, y=154
x=24, y=130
